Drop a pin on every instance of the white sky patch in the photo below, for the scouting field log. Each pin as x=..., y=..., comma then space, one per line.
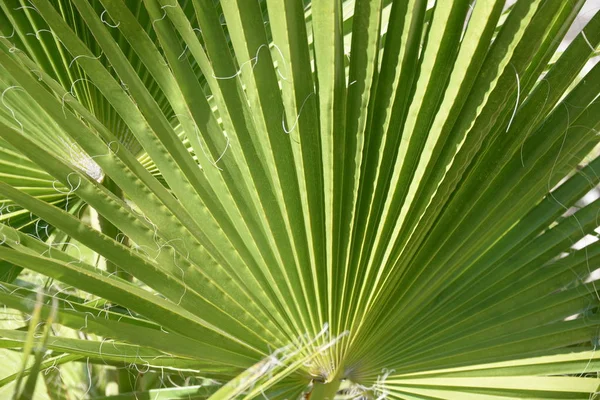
x=584, y=242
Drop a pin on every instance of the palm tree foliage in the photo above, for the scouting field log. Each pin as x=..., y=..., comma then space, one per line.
x=344, y=198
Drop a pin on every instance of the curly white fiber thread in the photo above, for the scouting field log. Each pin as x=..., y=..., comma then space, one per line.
x=164, y=13
x=84, y=56
x=31, y=7
x=72, y=93
x=587, y=41
x=8, y=37
x=72, y=188
x=518, y=98
x=254, y=60
x=37, y=33
x=185, y=49
x=297, y=116
x=12, y=112
x=37, y=73
x=223, y=153
x=107, y=23
x=199, y=138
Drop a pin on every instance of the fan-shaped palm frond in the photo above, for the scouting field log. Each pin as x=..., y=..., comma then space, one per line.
x=334, y=199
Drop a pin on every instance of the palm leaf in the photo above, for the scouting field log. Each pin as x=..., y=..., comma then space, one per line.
x=325, y=198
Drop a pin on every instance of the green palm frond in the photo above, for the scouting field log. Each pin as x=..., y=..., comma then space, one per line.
x=280, y=198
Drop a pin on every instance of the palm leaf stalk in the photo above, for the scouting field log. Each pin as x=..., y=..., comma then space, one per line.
x=283, y=199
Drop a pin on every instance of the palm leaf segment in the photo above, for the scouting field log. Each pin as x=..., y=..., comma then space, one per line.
x=365, y=197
